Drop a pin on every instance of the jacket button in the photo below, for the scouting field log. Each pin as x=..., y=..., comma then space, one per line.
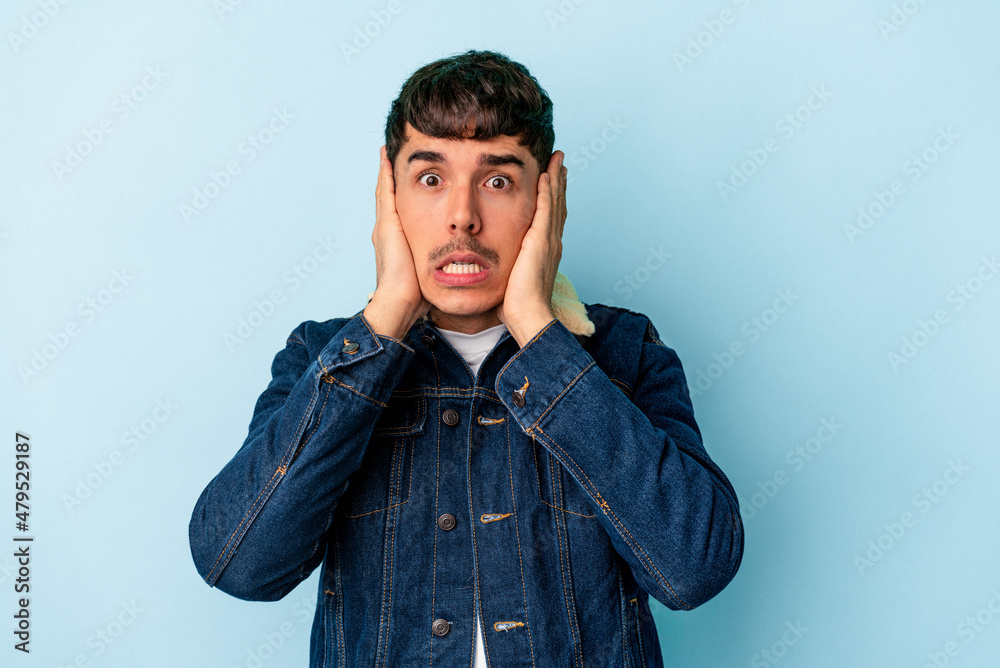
x=428, y=341
x=518, y=399
x=447, y=521
x=450, y=417
x=351, y=347
x=440, y=627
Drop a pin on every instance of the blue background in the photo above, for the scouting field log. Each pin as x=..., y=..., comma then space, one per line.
x=657, y=106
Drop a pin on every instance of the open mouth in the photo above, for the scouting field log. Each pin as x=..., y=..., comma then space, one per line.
x=462, y=269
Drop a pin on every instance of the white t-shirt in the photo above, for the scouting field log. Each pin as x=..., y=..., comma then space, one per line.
x=474, y=348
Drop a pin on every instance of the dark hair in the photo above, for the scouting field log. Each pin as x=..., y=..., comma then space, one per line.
x=473, y=95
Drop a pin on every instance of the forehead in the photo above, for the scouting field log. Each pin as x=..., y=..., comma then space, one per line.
x=461, y=150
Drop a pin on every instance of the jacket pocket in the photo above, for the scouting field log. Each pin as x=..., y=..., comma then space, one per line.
x=383, y=480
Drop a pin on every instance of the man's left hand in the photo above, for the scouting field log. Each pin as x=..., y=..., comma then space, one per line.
x=527, y=304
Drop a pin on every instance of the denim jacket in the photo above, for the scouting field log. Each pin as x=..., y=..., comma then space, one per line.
x=551, y=493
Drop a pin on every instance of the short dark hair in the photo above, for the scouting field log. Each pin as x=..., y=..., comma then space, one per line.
x=473, y=95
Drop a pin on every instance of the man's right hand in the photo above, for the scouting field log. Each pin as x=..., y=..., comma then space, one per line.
x=397, y=302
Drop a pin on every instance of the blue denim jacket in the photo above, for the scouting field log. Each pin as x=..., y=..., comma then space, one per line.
x=551, y=493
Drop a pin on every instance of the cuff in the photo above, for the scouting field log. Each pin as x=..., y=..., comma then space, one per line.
x=540, y=373
x=385, y=360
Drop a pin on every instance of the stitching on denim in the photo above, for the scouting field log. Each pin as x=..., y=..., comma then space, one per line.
x=350, y=352
x=305, y=439
x=225, y=548
x=517, y=534
x=437, y=491
x=538, y=485
x=621, y=608
x=418, y=418
x=391, y=547
x=506, y=626
x=638, y=633
x=608, y=511
x=362, y=394
x=624, y=386
x=557, y=475
x=490, y=421
x=400, y=342
x=526, y=345
x=486, y=518
x=475, y=563
x=409, y=484
x=339, y=621
x=294, y=338
x=565, y=587
x=564, y=391
x=618, y=523
x=252, y=511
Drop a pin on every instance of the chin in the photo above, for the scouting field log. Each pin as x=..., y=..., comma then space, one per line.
x=460, y=304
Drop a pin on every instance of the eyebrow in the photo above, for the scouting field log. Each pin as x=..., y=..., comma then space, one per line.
x=485, y=159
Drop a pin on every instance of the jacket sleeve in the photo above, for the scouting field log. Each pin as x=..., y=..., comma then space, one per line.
x=669, y=510
x=257, y=528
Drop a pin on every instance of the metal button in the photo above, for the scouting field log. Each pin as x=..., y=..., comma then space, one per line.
x=440, y=627
x=428, y=341
x=351, y=347
x=450, y=417
x=518, y=397
x=447, y=521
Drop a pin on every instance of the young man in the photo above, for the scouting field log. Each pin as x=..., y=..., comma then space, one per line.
x=486, y=468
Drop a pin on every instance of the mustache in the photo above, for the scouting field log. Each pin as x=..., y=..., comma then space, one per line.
x=468, y=245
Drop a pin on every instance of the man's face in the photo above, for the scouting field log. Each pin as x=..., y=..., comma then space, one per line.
x=464, y=206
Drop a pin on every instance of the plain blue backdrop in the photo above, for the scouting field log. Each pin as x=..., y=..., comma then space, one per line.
x=801, y=195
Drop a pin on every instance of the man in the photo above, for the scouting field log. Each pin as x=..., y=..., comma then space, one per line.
x=481, y=479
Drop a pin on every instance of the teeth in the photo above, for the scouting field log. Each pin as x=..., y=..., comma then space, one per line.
x=461, y=268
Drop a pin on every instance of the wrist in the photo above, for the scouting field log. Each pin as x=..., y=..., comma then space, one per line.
x=525, y=328
x=390, y=320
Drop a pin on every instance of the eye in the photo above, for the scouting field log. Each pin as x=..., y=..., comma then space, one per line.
x=499, y=182
x=429, y=180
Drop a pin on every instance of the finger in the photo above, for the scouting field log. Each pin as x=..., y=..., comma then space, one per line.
x=387, y=187
x=543, y=205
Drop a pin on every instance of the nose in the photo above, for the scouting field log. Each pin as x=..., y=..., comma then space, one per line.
x=463, y=210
